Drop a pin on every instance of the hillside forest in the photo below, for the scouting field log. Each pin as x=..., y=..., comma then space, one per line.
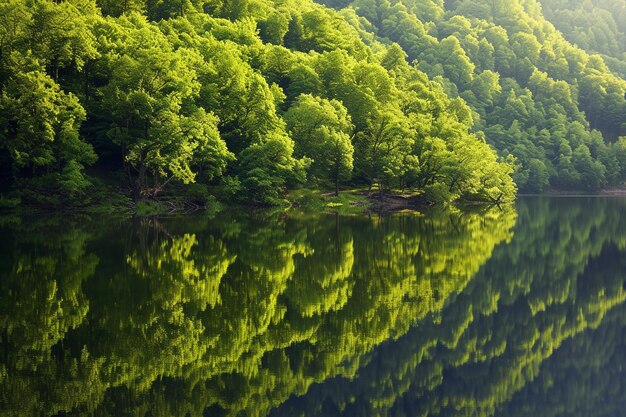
x=242, y=100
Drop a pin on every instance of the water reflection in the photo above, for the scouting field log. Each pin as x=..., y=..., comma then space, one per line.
x=558, y=278
x=243, y=315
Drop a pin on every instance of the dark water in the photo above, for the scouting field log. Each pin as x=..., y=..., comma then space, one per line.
x=494, y=313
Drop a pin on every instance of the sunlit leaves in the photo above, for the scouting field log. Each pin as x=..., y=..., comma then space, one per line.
x=156, y=121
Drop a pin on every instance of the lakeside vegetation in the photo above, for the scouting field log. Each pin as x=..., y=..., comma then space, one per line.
x=242, y=100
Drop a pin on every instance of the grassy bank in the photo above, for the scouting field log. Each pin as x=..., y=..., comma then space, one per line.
x=311, y=200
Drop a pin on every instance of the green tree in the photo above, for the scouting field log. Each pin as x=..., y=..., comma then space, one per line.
x=538, y=176
x=40, y=130
x=160, y=129
x=591, y=172
x=268, y=167
x=321, y=129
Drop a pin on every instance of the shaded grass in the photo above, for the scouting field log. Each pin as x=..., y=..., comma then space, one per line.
x=312, y=200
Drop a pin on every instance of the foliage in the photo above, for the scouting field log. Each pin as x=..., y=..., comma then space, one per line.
x=530, y=91
x=595, y=25
x=321, y=130
x=248, y=97
x=312, y=201
x=405, y=95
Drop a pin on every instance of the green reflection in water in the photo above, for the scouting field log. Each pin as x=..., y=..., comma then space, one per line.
x=491, y=353
x=238, y=313
x=234, y=315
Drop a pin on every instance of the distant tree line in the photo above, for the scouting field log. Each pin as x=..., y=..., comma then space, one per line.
x=597, y=26
x=560, y=111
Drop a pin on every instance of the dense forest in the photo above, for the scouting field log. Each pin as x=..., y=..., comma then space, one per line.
x=244, y=99
x=597, y=26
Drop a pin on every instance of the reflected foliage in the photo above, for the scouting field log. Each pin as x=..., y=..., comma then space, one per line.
x=449, y=313
x=583, y=378
x=235, y=315
x=498, y=347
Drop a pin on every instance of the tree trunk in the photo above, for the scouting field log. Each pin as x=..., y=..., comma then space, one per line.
x=140, y=182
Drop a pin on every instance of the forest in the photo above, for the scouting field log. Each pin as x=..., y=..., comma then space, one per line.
x=243, y=100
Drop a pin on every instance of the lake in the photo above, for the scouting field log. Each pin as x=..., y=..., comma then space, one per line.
x=488, y=312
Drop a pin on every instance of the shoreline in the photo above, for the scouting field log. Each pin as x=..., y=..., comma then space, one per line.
x=351, y=201
x=609, y=192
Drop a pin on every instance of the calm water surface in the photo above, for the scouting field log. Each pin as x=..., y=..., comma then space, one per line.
x=494, y=313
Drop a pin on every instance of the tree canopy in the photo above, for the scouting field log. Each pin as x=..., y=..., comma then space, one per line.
x=462, y=100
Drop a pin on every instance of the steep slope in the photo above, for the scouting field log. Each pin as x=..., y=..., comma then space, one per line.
x=253, y=96
x=597, y=26
x=558, y=110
